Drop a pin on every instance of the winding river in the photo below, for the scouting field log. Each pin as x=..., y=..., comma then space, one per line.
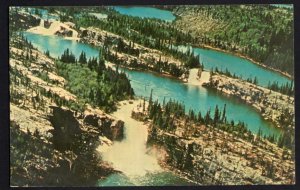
x=197, y=98
x=194, y=97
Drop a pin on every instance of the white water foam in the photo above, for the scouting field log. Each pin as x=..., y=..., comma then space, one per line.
x=130, y=155
x=42, y=23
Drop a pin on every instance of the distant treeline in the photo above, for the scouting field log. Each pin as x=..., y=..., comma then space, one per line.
x=262, y=32
x=287, y=88
x=150, y=33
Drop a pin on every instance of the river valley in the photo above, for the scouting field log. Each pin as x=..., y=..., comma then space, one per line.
x=138, y=164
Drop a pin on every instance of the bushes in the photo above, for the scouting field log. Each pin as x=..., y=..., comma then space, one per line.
x=96, y=84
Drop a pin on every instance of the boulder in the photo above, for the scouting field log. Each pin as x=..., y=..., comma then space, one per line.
x=65, y=127
x=91, y=120
x=114, y=130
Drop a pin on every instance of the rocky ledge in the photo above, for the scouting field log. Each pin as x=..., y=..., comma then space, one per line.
x=140, y=58
x=53, y=144
x=67, y=156
x=273, y=106
x=208, y=155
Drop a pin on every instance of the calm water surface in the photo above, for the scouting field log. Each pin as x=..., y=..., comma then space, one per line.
x=150, y=179
x=240, y=66
x=146, y=12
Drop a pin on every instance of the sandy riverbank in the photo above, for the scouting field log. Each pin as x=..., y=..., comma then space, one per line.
x=55, y=27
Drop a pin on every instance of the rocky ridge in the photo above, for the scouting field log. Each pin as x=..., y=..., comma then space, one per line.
x=208, y=155
x=52, y=143
x=272, y=105
x=146, y=57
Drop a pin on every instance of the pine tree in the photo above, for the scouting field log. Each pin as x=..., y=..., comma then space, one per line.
x=150, y=100
x=199, y=118
x=217, y=115
x=82, y=58
x=224, y=114
x=207, y=117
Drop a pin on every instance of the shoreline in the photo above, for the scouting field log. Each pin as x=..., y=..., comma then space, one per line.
x=110, y=64
x=44, y=31
x=209, y=47
x=54, y=28
x=243, y=87
x=238, y=54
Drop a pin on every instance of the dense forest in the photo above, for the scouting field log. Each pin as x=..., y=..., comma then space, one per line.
x=76, y=84
x=92, y=81
x=110, y=53
x=152, y=33
x=265, y=33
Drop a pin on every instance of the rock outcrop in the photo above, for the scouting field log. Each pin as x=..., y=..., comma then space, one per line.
x=51, y=145
x=145, y=59
x=273, y=106
x=112, y=129
x=23, y=20
x=218, y=158
x=65, y=126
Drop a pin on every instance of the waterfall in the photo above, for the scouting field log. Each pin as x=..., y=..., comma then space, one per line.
x=42, y=23
x=130, y=155
x=74, y=34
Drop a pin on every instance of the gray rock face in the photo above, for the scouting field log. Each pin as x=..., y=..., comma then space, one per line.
x=221, y=162
x=24, y=20
x=110, y=128
x=65, y=127
x=91, y=120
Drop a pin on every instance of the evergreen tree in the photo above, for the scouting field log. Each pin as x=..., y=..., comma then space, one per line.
x=150, y=100
x=224, y=114
x=217, y=115
x=82, y=58
x=207, y=117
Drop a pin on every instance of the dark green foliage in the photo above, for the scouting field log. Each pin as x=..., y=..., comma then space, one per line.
x=287, y=139
x=150, y=33
x=217, y=115
x=128, y=49
x=47, y=53
x=96, y=84
x=263, y=32
x=163, y=117
x=68, y=57
x=29, y=154
x=158, y=66
x=287, y=89
x=224, y=114
x=82, y=58
x=20, y=42
x=229, y=74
